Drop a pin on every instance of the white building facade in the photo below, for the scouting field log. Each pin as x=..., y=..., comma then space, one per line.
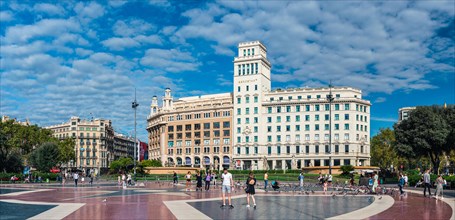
x=289, y=129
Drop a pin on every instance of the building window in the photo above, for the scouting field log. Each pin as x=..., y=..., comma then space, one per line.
x=307, y=149
x=346, y=106
x=316, y=107
x=288, y=118
x=327, y=149
x=278, y=128
x=278, y=149
x=247, y=99
x=316, y=127
x=337, y=148
x=239, y=100
x=297, y=118
x=239, y=121
x=247, y=111
x=316, y=149
x=288, y=149
x=269, y=150
x=307, y=117
x=346, y=148
x=255, y=129
x=297, y=128
x=247, y=88
x=346, y=126
x=269, y=119
x=269, y=138
x=278, y=138
x=288, y=128
x=278, y=109
x=327, y=106
x=255, y=110
x=307, y=108
x=337, y=117
x=256, y=86
x=316, y=117
x=255, y=99
x=346, y=116
x=278, y=118
x=346, y=162
x=288, y=108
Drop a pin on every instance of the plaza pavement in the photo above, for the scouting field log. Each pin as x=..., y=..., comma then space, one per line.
x=162, y=200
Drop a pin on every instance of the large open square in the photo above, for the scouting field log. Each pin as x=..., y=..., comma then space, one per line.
x=163, y=200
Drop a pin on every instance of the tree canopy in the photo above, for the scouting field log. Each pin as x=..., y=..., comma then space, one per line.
x=19, y=142
x=428, y=132
x=45, y=157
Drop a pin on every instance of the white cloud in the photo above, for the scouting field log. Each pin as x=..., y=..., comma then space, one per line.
x=132, y=27
x=378, y=47
x=380, y=100
x=172, y=60
x=117, y=43
x=49, y=9
x=117, y=3
x=6, y=16
x=45, y=27
x=87, y=11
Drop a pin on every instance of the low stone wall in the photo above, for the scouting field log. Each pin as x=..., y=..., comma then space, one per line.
x=170, y=170
x=336, y=169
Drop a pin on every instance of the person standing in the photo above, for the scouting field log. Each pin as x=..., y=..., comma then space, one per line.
x=426, y=183
x=250, y=182
x=188, y=181
x=401, y=184
x=266, y=180
x=301, y=177
x=208, y=178
x=439, y=187
x=91, y=179
x=175, y=178
x=375, y=182
x=198, y=181
x=214, y=179
x=226, y=187
x=75, y=177
x=329, y=179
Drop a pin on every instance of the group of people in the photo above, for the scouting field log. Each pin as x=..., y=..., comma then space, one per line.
x=125, y=180
x=208, y=179
x=426, y=182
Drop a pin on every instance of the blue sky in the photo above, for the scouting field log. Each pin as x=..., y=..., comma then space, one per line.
x=65, y=58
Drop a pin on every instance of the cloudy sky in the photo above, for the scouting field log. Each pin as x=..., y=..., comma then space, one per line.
x=68, y=58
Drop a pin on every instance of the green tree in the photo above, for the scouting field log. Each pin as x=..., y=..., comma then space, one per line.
x=122, y=164
x=66, y=150
x=45, y=157
x=151, y=163
x=346, y=169
x=424, y=134
x=383, y=154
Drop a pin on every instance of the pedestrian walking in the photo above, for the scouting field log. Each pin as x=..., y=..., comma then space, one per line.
x=405, y=180
x=426, y=183
x=76, y=178
x=175, y=178
x=250, y=183
x=208, y=178
x=439, y=187
x=91, y=179
x=226, y=187
x=266, y=180
x=198, y=181
x=188, y=181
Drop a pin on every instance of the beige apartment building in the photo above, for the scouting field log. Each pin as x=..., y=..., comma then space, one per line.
x=94, y=140
x=192, y=131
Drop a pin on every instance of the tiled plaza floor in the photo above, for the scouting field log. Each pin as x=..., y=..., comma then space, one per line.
x=165, y=201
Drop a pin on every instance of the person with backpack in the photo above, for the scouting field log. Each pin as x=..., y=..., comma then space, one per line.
x=401, y=183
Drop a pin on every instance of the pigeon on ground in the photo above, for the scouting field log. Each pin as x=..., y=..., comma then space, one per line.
x=380, y=198
x=104, y=200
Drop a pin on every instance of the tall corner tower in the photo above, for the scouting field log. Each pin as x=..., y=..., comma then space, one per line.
x=251, y=82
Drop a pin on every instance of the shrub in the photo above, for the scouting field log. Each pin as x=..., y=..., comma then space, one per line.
x=346, y=169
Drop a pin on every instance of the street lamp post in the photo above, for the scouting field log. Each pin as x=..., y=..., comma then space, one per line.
x=330, y=99
x=134, y=105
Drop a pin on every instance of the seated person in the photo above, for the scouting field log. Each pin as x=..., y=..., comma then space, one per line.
x=275, y=185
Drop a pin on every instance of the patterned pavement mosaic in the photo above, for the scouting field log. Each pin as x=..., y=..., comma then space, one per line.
x=162, y=200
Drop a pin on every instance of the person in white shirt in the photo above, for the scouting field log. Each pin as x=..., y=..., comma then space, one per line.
x=227, y=185
x=75, y=177
x=405, y=180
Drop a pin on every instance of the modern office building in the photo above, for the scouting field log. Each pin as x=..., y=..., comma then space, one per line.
x=191, y=131
x=94, y=148
x=271, y=129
